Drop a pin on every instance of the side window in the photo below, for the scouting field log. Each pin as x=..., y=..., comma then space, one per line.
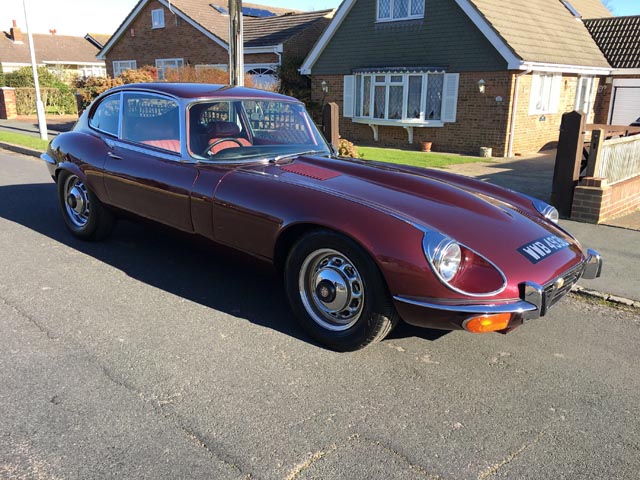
x=105, y=116
x=151, y=120
x=212, y=121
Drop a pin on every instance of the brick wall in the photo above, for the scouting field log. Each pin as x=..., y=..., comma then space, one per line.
x=532, y=133
x=594, y=201
x=481, y=120
x=603, y=101
x=8, y=103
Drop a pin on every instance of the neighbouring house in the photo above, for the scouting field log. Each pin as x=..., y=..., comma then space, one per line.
x=462, y=74
x=196, y=33
x=619, y=40
x=63, y=54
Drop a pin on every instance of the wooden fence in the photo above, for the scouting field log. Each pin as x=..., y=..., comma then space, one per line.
x=616, y=159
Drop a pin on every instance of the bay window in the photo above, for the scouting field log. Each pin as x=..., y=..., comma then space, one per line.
x=411, y=98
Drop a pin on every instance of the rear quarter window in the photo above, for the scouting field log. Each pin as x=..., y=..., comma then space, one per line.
x=106, y=115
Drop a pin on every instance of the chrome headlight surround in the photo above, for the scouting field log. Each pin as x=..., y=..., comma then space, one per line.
x=438, y=249
x=547, y=211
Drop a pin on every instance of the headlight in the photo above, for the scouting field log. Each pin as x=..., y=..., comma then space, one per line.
x=447, y=259
x=547, y=211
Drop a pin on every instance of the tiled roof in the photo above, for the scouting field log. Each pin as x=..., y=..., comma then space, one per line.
x=545, y=31
x=48, y=48
x=202, y=12
x=268, y=31
x=618, y=38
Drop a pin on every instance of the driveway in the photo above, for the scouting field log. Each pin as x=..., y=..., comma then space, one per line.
x=154, y=356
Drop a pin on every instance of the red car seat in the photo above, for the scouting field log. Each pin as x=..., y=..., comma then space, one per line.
x=227, y=134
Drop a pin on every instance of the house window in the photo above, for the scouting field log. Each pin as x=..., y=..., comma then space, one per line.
x=545, y=93
x=120, y=66
x=584, y=94
x=164, y=64
x=391, y=10
x=401, y=97
x=157, y=18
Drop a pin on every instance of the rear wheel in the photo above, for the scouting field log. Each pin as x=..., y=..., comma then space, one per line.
x=337, y=292
x=84, y=215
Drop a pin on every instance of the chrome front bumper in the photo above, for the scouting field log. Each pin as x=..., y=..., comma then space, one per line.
x=534, y=302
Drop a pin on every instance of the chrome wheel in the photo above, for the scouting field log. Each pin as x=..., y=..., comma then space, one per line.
x=76, y=201
x=331, y=289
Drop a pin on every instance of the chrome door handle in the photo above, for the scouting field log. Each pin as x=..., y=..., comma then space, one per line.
x=114, y=156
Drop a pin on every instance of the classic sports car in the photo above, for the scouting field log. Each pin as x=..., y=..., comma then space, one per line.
x=360, y=244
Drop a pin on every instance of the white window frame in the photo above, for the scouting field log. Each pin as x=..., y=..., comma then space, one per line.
x=161, y=65
x=358, y=110
x=545, y=93
x=157, y=18
x=409, y=16
x=586, y=104
x=120, y=66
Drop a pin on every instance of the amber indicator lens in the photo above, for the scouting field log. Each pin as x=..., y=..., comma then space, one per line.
x=488, y=323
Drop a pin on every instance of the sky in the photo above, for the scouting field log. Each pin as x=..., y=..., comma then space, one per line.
x=104, y=16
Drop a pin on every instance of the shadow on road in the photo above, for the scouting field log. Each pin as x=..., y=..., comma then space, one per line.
x=186, y=266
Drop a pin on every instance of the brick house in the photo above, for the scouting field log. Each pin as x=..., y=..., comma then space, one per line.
x=64, y=54
x=619, y=40
x=196, y=32
x=462, y=74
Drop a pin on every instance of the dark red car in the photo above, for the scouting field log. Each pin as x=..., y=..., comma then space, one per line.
x=360, y=244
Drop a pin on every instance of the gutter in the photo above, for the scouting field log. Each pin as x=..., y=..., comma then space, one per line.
x=514, y=111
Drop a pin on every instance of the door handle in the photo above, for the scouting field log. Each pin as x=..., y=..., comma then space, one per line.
x=114, y=156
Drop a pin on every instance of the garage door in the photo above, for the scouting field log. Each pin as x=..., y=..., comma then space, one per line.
x=626, y=103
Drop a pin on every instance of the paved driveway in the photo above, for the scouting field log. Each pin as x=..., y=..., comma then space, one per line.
x=152, y=356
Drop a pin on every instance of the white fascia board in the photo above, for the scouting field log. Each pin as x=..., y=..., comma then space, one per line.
x=513, y=61
x=269, y=49
x=73, y=62
x=625, y=71
x=136, y=11
x=559, y=68
x=326, y=37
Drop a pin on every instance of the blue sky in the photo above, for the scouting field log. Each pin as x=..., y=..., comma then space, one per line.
x=97, y=17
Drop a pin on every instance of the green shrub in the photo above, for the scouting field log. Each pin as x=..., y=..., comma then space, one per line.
x=55, y=100
x=2, y=84
x=23, y=77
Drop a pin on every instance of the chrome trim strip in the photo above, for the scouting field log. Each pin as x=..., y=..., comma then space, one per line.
x=47, y=158
x=533, y=294
x=593, y=267
x=517, y=306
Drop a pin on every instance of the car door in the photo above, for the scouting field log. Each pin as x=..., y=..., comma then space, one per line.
x=145, y=172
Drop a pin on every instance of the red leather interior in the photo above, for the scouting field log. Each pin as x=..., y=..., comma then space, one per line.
x=223, y=130
x=172, y=145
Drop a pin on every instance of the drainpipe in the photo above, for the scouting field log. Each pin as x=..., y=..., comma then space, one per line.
x=514, y=111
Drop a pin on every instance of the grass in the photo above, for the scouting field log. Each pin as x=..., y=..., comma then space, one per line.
x=24, y=140
x=415, y=158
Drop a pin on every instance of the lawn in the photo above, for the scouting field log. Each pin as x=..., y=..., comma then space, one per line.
x=24, y=140
x=415, y=158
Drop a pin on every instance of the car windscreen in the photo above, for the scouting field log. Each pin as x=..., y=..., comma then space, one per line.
x=246, y=129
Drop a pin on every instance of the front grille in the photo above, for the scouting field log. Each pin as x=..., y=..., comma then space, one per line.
x=554, y=292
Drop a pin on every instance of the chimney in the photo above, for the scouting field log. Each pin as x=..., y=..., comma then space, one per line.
x=16, y=33
x=53, y=31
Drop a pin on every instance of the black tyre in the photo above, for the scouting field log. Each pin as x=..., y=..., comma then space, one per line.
x=84, y=215
x=337, y=292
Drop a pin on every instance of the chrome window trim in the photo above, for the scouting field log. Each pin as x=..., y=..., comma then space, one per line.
x=95, y=107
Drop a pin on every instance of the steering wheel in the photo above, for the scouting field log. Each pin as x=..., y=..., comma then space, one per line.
x=210, y=147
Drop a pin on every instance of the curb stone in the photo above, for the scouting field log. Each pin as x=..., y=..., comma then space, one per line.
x=605, y=296
x=20, y=149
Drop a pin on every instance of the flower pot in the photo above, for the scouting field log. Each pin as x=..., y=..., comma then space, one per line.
x=425, y=146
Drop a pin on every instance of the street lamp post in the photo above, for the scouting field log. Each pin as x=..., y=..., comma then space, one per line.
x=42, y=122
x=236, y=47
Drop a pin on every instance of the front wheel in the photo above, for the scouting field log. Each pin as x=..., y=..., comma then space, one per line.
x=83, y=213
x=337, y=292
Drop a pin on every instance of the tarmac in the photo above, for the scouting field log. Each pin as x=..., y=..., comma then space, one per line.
x=618, y=241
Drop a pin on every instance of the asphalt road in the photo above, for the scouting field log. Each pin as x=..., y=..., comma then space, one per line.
x=153, y=356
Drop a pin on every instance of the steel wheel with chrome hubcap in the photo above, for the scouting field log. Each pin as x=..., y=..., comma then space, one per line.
x=337, y=292
x=83, y=213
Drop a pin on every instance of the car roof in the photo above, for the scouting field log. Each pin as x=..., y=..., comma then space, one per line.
x=200, y=90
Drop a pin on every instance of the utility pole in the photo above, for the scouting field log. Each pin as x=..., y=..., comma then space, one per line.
x=42, y=122
x=236, y=47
